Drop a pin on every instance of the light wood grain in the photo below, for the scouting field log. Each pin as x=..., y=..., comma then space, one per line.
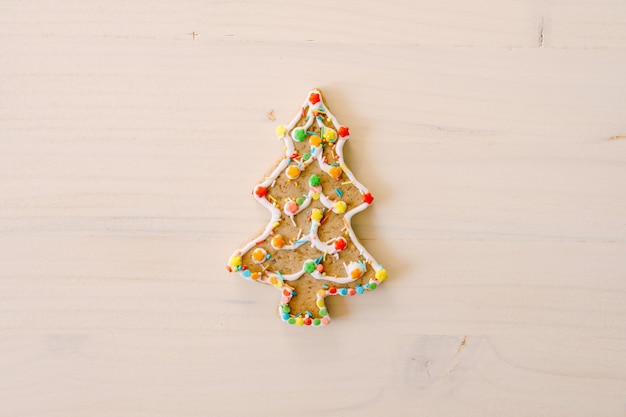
x=491, y=135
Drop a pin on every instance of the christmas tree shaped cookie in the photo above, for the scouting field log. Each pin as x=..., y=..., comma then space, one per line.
x=308, y=250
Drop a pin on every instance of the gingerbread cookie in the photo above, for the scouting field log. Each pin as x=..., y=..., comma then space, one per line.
x=308, y=249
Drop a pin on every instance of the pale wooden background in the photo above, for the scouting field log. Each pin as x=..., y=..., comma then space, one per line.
x=492, y=134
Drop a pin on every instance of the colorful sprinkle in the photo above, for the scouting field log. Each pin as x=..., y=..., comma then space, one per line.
x=338, y=192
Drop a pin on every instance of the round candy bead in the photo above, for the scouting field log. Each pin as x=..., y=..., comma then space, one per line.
x=291, y=207
x=259, y=255
x=298, y=134
x=343, y=291
x=320, y=303
x=351, y=291
x=332, y=290
x=315, y=140
x=285, y=316
x=334, y=172
x=316, y=215
x=314, y=98
x=260, y=191
x=299, y=201
x=323, y=312
x=325, y=321
x=278, y=242
x=316, y=322
x=340, y=244
x=299, y=321
x=381, y=274
x=234, y=261
x=309, y=266
x=292, y=172
x=307, y=321
x=306, y=156
x=373, y=286
x=360, y=289
x=291, y=320
x=247, y=273
x=340, y=207
x=314, y=180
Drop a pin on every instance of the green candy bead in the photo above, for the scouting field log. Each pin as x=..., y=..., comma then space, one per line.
x=309, y=266
x=291, y=320
x=314, y=180
x=372, y=286
x=316, y=322
x=323, y=312
x=299, y=135
x=299, y=201
x=306, y=156
x=286, y=309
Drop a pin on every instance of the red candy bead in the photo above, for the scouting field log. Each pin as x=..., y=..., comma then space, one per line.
x=320, y=268
x=260, y=191
x=307, y=321
x=368, y=198
x=340, y=244
x=286, y=292
x=314, y=98
x=343, y=131
x=332, y=290
x=351, y=291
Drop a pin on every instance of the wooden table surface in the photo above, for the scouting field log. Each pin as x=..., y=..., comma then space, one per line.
x=492, y=134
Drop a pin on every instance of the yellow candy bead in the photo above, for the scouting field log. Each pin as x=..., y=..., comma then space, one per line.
x=315, y=196
x=292, y=172
x=316, y=214
x=234, y=261
x=315, y=140
x=278, y=284
x=299, y=321
x=329, y=134
x=381, y=275
x=334, y=172
x=340, y=207
x=320, y=303
x=280, y=131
